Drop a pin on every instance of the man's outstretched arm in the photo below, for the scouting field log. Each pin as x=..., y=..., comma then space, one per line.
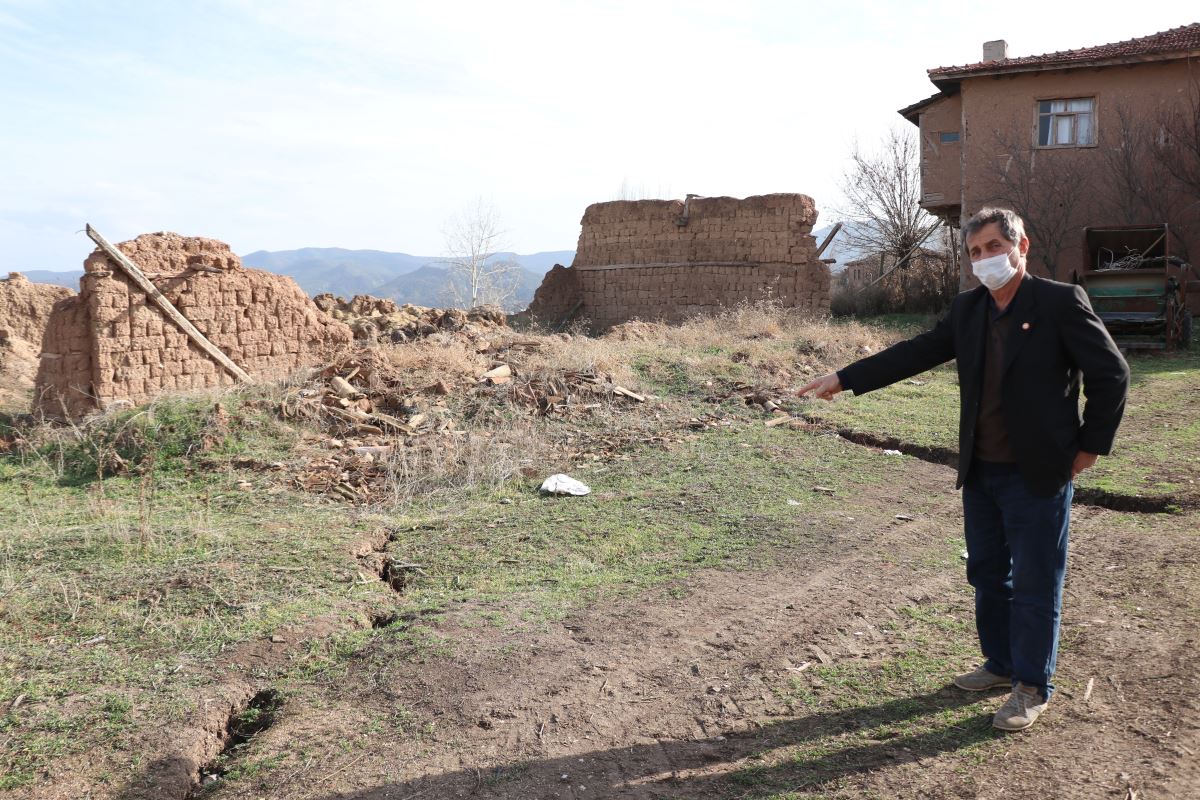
x=900, y=361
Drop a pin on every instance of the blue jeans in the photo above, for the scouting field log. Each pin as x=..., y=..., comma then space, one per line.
x=1016, y=560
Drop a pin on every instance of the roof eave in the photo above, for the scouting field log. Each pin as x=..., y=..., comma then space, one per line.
x=912, y=113
x=942, y=79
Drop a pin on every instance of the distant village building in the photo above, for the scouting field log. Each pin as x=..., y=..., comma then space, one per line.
x=1094, y=136
x=925, y=282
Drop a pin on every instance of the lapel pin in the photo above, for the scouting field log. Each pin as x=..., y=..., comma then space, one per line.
x=1024, y=326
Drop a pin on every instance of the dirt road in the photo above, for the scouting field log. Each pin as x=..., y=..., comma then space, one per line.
x=825, y=676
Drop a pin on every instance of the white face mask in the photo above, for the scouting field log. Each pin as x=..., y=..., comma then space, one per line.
x=996, y=271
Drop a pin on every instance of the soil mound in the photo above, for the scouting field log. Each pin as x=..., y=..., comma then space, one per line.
x=374, y=318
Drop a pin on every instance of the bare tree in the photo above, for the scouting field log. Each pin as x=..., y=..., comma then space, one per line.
x=1052, y=190
x=476, y=276
x=1176, y=143
x=1146, y=172
x=883, y=196
x=887, y=222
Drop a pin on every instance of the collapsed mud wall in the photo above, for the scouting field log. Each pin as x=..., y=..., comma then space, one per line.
x=25, y=309
x=671, y=260
x=25, y=306
x=112, y=345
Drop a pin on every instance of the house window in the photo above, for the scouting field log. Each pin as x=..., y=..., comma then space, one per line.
x=1067, y=123
x=948, y=136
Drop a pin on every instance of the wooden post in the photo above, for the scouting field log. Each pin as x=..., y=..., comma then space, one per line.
x=163, y=303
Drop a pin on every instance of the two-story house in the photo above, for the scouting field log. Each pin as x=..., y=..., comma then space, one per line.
x=1097, y=136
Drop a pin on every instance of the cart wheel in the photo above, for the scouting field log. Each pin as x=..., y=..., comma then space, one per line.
x=1185, y=331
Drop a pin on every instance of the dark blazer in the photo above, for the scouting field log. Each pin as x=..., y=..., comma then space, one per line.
x=1055, y=340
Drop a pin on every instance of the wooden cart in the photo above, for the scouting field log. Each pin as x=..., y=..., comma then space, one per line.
x=1136, y=286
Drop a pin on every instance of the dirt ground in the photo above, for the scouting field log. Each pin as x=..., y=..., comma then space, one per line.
x=779, y=682
x=749, y=605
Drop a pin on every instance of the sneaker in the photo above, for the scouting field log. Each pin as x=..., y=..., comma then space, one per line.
x=981, y=680
x=1021, y=710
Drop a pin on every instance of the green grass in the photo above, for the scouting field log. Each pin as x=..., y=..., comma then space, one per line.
x=133, y=556
x=652, y=521
x=118, y=593
x=121, y=586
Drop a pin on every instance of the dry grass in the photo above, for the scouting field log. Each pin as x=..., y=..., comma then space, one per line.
x=498, y=432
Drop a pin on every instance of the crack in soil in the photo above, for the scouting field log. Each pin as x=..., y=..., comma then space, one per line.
x=245, y=722
x=947, y=457
x=372, y=554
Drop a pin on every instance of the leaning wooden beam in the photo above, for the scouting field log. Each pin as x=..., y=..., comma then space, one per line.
x=138, y=277
x=828, y=239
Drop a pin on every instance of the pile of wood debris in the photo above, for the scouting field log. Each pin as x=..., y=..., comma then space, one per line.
x=374, y=318
x=374, y=418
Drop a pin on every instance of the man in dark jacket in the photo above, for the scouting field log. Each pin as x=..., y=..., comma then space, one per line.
x=1022, y=345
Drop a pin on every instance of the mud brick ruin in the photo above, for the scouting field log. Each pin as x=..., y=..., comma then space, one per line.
x=671, y=260
x=110, y=344
x=25, y=307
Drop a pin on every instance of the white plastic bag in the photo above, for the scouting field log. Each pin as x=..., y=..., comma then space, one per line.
x=564, y=484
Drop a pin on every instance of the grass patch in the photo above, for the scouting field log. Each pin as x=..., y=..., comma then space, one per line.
x=118, y=594
x=654, y=520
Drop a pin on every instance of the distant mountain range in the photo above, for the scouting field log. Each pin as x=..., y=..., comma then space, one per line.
x=69, y=279
x=404, y=278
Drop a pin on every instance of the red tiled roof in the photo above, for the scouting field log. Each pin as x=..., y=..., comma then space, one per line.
x=1182, y=39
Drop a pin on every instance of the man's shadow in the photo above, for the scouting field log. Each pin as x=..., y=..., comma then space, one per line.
x=702, y=768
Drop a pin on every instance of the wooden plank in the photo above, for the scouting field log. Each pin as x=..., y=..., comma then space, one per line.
x=163, y=303
x=828, y=239
x=660, y=264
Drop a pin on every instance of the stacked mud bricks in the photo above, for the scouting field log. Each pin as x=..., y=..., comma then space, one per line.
x=660, y=260
x=111, y=344
x=25, y=306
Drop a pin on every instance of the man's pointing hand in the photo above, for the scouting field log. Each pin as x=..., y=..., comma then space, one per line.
x=824, y=387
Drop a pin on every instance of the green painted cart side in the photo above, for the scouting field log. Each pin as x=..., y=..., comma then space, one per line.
x=1136, y=286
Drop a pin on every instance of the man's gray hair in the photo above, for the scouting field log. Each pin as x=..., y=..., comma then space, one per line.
x=1012, y=227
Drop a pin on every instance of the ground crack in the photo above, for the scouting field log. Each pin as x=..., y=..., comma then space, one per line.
x=392, y=571
x=948, y=457
x=244, y=723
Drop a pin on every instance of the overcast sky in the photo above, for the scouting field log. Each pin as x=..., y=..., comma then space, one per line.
x=276, y=125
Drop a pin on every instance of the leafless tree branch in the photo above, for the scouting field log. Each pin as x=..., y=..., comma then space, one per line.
x=1052, y=190
x=473, y=239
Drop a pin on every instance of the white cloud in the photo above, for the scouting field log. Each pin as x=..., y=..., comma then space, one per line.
x=275, y=124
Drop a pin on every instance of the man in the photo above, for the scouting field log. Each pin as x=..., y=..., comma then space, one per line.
x=1021, y=344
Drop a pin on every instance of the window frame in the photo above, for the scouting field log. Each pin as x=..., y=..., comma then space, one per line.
x=1037, y=119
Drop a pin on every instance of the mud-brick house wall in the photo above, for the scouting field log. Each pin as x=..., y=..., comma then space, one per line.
x=111, y=345
x=671, y=260
x=1034, y=118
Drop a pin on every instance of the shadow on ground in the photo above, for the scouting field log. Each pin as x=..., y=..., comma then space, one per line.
x=743, y=765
